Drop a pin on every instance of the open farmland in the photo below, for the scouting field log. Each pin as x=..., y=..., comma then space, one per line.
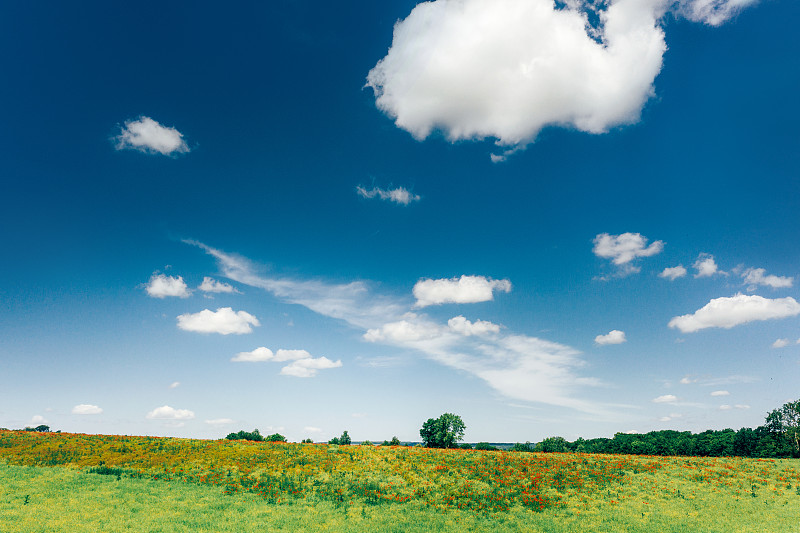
x=99, y=478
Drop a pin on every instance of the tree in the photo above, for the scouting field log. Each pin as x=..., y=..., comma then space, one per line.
x=275, y=437
x=442, y=432
x=244, y=435
x=785, y=422
x=343, y=440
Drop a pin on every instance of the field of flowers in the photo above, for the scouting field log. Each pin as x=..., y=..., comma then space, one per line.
x=577, y=488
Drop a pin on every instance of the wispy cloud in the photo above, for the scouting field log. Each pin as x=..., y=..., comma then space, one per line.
x=758, y=276
x=211, y=285
x=147, y=135
x=734, y=311
x=399, y=195
x=165, y=412
x=518, y=366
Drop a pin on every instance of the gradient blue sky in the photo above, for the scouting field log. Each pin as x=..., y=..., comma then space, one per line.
x=558, y=158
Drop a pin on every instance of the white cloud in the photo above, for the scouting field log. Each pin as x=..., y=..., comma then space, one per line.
x=725, y=407
x=400, y=195
x=147, y=135
x=86, y=409
x=612, y=337
x=720, y=393
x=466, y=289
x=712, y=12
x=306, y=368
x=303, y=364
x=686, y=380
x=461, y=325
x=742, y=406
x=508, y=68
x=706, y=266
x=220, y=422
x=673, y=273
x=312, y=429
x=211, y=285
x=174, y=384
x=518, y=366
x=780, y=343
x=223, y=321
x=161, y=286
x=736, y=310
x=666, y=398
x=38, y=420
x=755, y=276
x=624, y=248
x=258, y=355
x=165, y=412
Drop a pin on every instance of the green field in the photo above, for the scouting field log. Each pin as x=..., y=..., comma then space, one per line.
x=143, y=490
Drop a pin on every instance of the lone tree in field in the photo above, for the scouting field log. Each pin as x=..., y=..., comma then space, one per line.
x=442, y=432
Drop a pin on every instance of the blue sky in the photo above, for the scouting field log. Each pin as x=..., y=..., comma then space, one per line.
x=462, y=206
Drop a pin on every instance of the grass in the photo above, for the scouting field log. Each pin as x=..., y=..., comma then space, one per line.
x=102, y=483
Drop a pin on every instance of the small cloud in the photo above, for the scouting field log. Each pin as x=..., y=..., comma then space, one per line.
x=673, y=273
x=461, y=325
x=757, y=276
x=706, y=266
x=742, y=406
x=624, y=248
x=220, y=422
x=148, y=136
x=686, y=380
x=613, y=337
x=720, y=393
x=86, y=409
x=359, y=415
x=734, y=311
x=256, y=356
x=666, y=398
x=161, y=286
x=166, y=412
x=711, y=12
x=780, y=343
x=665, y=419
x=212, y=285
x=312, y=429
x=399, y=195
x=175, y=385
x=38, y=420
x=725, y=407
x=307, y=368
x=466, y=289
x=223, y=321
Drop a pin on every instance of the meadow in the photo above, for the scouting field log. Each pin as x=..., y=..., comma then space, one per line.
x=71, y=482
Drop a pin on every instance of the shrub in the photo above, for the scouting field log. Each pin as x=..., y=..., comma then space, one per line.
x=244, y=435
x=275, y=437
x=485, y=446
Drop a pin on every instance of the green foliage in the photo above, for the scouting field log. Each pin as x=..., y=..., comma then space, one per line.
x=442, y=432
x=394, y=442
x=465, y=446
x=275, y=437
x=41, y=429
x=527, y=447
x=244, y=435
x=553, y=445
x=306, y=441
x=485, y=446
x=343, y=440
x=366, y=443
